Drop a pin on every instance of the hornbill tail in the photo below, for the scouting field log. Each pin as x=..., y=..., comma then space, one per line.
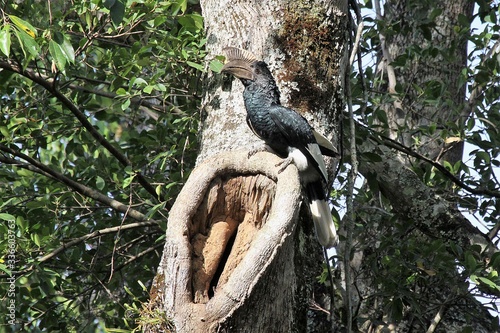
x=321, y=215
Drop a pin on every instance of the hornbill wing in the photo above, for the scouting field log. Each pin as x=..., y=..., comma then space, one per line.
x=296, y=130
x=327, y=148
x=299, y=134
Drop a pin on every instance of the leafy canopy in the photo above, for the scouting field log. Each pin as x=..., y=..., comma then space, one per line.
x=404, y=267
x=98, y=128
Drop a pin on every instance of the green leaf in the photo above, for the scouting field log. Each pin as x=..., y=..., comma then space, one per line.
x=65, y=46
x=483, y=156
x=139, y=82
x=148, y=89
x=108, y=3
x=336, y=216
x=7, y=217
x=488, y=282
x=179, y=5
x=198, y=20
x=470, y=262
x=57, y=54
x=158, y=190
x=470, y=124
x=216, y=65
x=463, y=20
x=495, y=260
x=396, y=309
x=127, y=181
x=195, y=65
x=373, y=157
x=435, y=13
x=5, y=132
x=24, y=26
x=160, y=87
x=21, y=222
x=155, y=208
x=117, y=12
x=3, y=268
x=126, y=104
x=36, y=239
x=99, y=182
x=5, y=40
x=27, y=43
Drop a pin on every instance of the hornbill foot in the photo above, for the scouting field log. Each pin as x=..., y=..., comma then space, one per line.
x=284, y=164
x=256, y=150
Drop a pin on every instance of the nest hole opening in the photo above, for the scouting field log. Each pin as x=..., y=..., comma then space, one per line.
x=234, y=209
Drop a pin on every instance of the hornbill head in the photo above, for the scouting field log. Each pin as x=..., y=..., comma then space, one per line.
x=244, y=65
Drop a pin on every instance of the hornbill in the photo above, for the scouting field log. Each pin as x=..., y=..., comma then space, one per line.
x=287, y=134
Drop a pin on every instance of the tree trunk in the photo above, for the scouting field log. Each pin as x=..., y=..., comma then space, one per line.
x=240, y=253
x=426, y=71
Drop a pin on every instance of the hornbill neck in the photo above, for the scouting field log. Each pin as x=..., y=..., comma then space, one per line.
x=258, y=96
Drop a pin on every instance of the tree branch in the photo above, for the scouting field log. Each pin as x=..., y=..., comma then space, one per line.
x=136, y=100
x=83, y=238
x=353, y=174
x=49, y=85
x=138, y=256
x=432, y=214
x=437, y=318
x=381, y=139
x=82, y=189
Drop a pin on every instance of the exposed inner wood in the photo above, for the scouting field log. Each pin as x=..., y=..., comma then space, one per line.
x=233, y=211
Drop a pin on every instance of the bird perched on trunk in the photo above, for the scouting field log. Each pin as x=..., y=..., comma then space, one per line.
x=286, y=133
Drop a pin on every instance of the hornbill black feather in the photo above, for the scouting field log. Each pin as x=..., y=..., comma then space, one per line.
x=287, y=133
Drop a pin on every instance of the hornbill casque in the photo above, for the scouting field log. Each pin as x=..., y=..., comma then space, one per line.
x=286, y=133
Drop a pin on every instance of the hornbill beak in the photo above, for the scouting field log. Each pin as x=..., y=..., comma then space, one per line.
x=239, y=63
x=239, y=69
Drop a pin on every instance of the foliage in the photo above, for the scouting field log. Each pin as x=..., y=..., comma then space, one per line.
x=404, y=264
x=98, y=132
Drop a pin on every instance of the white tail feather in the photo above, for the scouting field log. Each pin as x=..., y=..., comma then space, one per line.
x=323, y=223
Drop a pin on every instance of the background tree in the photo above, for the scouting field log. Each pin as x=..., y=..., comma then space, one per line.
x=415, y=178
x=100, y=130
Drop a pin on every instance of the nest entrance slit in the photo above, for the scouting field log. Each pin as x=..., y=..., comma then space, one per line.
x=233, y=210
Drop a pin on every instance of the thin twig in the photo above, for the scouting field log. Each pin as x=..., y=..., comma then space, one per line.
x=354, y=50
x=387, y=60
x=404, y=149
x=83, y=238
x=332, y=291
x=138, y=256
x=350, y=184
x=350, y=210
x=111, y=269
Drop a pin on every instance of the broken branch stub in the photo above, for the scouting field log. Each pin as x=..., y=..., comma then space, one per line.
x=227, y=225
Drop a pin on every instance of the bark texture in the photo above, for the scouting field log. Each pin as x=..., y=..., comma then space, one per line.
x=304, y=44
x=204, y=280
x=240, y=253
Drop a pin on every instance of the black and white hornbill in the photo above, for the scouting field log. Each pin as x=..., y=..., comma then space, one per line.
x=287, y=133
